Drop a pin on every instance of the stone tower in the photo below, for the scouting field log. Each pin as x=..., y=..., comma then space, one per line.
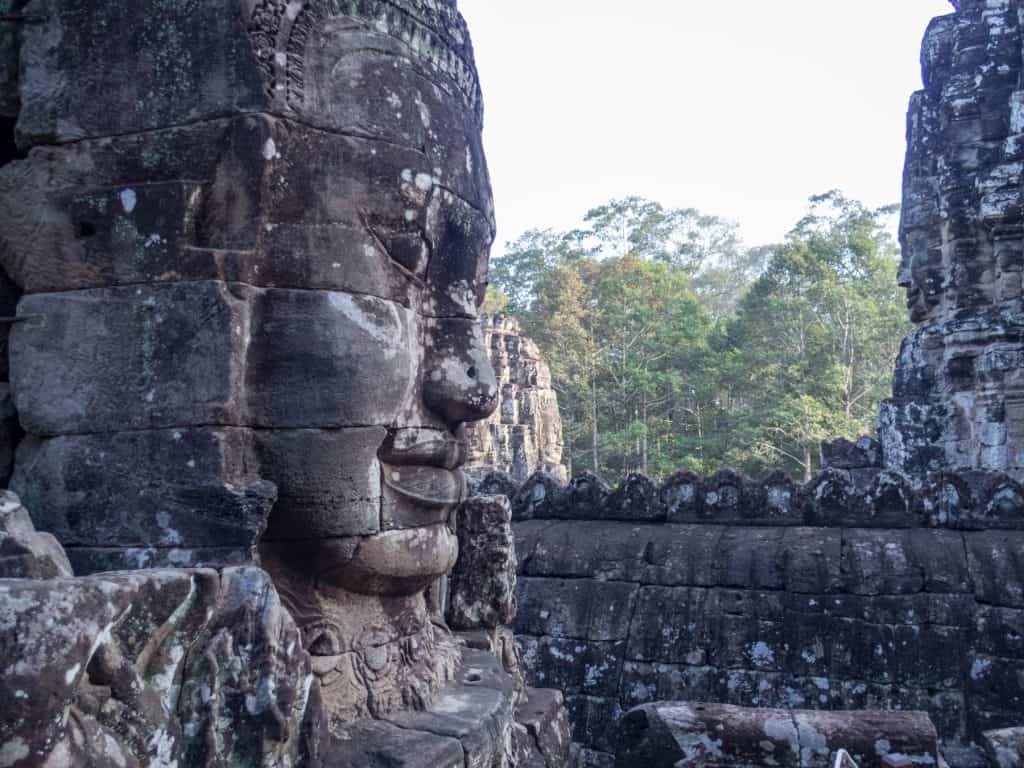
x=958, y=394
x=524, y=434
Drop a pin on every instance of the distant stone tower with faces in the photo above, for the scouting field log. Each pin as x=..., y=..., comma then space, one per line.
x=524, y=434
x=958, y=393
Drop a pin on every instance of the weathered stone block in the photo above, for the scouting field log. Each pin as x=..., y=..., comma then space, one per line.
x=594, y=721
x=750, y=557
x=103, y=648
x=676, y=735
x=1006, y=747
x=585, y=496
x=540, y=498
x=24, y=552
x=999, y=632
x=377, y=744
x=672, y=626
x=811, y=560
x=207, y=353
x=603, y=550
x=682, y=496
x=115, y=489
x=683, y=555
x=996, y=562
x=634, y=500
x=328, y=481
x=590, y=668
x=644, y=683
x=481, y=591
x=580, y=609
x=543, y=716
x=477, y=710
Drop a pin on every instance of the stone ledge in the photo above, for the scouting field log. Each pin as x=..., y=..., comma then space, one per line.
x=852, y=498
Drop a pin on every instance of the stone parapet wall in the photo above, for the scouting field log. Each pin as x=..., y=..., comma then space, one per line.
x=885, y=593
x=836, y=497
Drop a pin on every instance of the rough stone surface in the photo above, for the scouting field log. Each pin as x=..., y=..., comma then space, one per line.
x=247, y=249
x=150, y=667
x=206, y=668
x=1005, y=748
x=679, y=735
x=482, y=586
x=900, y=594
x=545, y=728
x=957, y=396
x=24, y=552
x=524, y=434
x=245, y=242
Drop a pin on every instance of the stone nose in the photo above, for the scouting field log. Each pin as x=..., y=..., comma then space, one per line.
x=459, y=384
x=903, y=274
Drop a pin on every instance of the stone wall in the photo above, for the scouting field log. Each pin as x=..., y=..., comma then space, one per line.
x=525, y=433
x=862, y=589
x=958, y=399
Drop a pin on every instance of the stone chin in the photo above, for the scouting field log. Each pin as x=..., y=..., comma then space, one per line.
x=395, y=563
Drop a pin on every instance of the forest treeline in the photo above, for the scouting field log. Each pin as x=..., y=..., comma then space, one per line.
x=673, y=346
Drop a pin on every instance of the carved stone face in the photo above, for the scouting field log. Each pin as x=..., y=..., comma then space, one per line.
x=921, y=275
x=415, y=203
x=284, y=295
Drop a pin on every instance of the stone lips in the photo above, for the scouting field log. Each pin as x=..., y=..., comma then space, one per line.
x=856, y=591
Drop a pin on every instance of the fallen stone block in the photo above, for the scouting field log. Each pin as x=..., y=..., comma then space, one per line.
x=1005, y=747
x=679, y=734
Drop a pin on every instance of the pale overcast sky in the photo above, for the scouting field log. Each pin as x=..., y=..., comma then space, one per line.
x=741, y=108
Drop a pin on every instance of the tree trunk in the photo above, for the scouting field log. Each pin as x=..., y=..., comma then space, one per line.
x=593, y=423
x=643, y=440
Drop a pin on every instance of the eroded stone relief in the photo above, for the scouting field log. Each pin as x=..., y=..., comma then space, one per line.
x=252, y=239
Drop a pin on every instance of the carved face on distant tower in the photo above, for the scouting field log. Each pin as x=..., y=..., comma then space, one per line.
x=272, y=276
x=921, y=275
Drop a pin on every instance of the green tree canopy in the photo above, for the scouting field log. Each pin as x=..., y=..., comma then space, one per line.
x=673, y=345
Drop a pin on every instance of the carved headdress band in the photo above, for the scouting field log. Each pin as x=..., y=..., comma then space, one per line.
x=433, y=30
